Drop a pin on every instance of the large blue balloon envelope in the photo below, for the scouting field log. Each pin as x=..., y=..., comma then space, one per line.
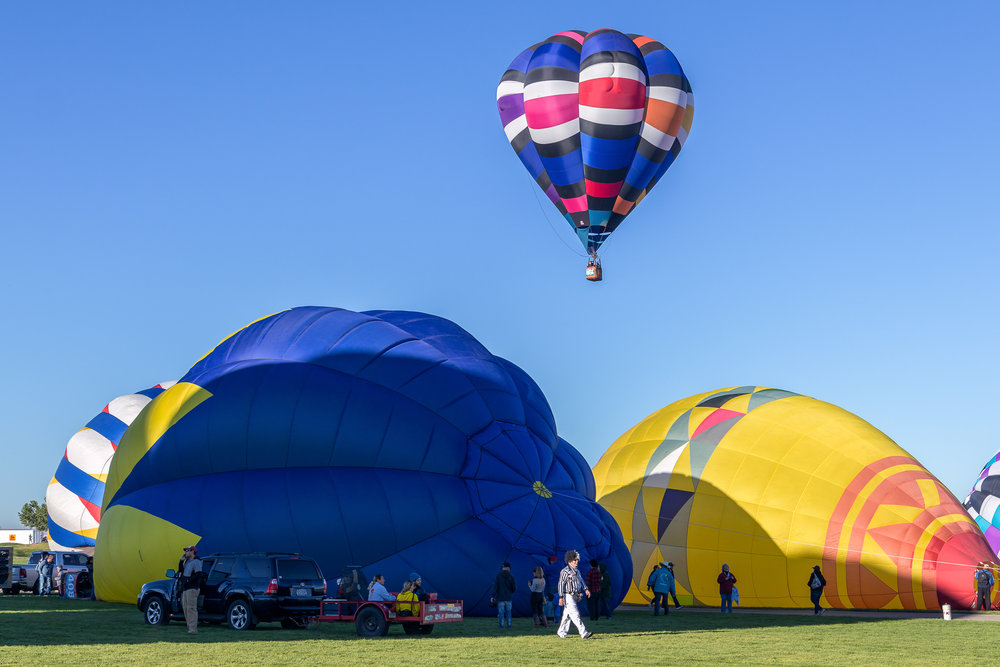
x=387, y=439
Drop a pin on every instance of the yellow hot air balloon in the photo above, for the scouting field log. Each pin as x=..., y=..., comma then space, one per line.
x=773, y=483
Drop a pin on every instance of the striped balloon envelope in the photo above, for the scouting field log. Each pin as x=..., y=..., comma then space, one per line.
x=774, y=483
x=74, y=495
x=596, y=118
x=983, y=502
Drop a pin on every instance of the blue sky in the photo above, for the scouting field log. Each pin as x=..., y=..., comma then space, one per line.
x=171, y=171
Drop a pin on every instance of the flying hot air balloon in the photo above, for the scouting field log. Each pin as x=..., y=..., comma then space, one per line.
x=774, y=483
x=597, y=119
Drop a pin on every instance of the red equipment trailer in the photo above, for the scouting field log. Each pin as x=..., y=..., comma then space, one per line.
x=372, y=619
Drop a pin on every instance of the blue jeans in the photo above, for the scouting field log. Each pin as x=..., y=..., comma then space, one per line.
x=44, y=583
x=727, y=602
x=503, y=612
x=657, y=598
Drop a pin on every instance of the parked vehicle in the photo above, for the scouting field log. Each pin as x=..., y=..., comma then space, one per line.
x=25, y=577
x=242, y=589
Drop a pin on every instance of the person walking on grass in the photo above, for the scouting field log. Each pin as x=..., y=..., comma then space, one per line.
x=662, y=584
x=673, y=587
x=726, y=581
x=571, y=592
x=191, y=576
x=816, y=583
x=44, y=569
x=503, y=592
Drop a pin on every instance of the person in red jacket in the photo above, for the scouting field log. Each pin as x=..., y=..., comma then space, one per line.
x=726, y=580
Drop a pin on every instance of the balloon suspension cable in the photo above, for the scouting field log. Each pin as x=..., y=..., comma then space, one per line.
x=545, y=215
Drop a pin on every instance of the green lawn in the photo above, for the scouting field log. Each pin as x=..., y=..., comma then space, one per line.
x=54, y=631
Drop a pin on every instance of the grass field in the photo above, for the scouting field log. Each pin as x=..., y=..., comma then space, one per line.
x=52, y=631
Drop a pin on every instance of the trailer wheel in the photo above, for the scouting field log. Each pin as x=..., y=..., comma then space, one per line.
x=370, y=622
x=411, y=628
x=426, y=629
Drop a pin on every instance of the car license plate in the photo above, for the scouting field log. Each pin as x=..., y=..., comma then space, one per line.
x=302, y=592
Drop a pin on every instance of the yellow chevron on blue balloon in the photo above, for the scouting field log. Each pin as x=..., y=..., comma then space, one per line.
x=135, y=546
x=159, y=416
x=237, y=331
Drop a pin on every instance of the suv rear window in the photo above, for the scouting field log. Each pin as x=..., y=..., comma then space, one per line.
x=297, y=569
x=258, y=568
x=33, y=559
x=74, y=559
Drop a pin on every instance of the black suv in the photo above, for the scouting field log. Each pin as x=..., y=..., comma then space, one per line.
x=243, y=589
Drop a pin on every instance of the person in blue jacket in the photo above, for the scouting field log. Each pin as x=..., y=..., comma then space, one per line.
x=663, y=581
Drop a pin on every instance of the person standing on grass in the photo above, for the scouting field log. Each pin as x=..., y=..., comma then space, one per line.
x=662, y=584
x=594, y=584
x=537, y=587
x=44, y=569
x=816, y=583
x=984, y=586
x=503, y=592
x=571, y=592
x=605, y=591
x=726, y=581
x=191, y=577
x=673, y=587
x=551, y=572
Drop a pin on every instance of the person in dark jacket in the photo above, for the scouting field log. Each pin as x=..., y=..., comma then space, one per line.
x=503, y=592
x=605, y=591
x=594, y=584
x=726, y=581
x=816, y=584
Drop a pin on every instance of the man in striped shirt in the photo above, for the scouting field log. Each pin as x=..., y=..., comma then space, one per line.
x=571, y=592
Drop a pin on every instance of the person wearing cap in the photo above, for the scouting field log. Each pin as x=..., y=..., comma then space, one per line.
x=816, y=583
x=417, y=590
x=673, y=588
x=503, y=592
x=191, y=587
x=727, y=581
x=571, y=592
x=662, y=583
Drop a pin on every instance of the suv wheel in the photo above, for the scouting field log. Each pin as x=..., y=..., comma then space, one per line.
x=370, y=622
x=155, y=610
x=239, y=616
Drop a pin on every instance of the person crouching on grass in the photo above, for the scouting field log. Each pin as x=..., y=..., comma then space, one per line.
x=571, y=592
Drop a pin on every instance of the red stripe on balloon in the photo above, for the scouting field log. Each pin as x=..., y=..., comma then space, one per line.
x=597, y=189
x=613, y=93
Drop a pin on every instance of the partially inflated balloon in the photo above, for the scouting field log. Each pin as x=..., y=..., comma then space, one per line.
x=597, y=119
x=386, y=439
x=773, y=483
x=74, y=495
x=984, y=501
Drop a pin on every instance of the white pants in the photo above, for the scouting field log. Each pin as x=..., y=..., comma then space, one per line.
x=570, y=614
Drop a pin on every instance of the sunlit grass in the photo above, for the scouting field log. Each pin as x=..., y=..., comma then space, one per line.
x=53, y=631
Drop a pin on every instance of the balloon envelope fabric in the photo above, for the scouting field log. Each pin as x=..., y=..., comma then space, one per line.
x=984, y=501
x=773, y=483
x=597, y=119
x=74, y=495
x=391, y=440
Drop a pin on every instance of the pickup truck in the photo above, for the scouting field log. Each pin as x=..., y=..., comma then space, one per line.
x=24, y=577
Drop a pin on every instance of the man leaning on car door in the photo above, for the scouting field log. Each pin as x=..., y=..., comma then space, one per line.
x=191, y=577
